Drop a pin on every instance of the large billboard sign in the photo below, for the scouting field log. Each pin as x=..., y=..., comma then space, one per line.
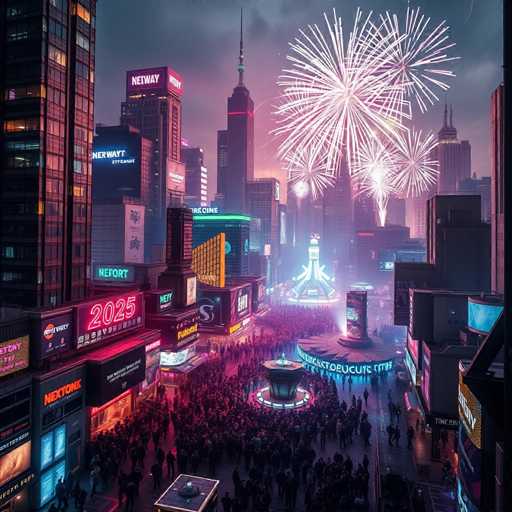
x=154, y=80
x=134, y=219
x=113, y=376
x=210, y=310
x=14, y=355
x=482, y=316
x=103, y=318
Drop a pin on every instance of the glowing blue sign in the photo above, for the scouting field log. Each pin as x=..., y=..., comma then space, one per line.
x=482, y=317
x=59, y=443
x=116, y=156
x=46, y=450
x=49, y=480
x=369, y=368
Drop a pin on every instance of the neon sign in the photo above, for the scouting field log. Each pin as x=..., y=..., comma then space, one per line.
x=62, y=392
x=114, y=273
x=165, y=301
x=205, y=210
x=369, y=368
x=101, y=319
x=235, y=328
x=184, y=333
x=151, y=79
x=116, y=156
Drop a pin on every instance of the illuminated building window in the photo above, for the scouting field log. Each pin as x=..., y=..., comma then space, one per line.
x=82, y=12
x=22, y=145
x=18, y=32
x=82, y=41
x=8, y=252
x=30, y=91
x=57, y=56
x=21, y=125
x=78, y=191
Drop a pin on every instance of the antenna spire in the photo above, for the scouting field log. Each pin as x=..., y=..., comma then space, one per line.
x=241, y=66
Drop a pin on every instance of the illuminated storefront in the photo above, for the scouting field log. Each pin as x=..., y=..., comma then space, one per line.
x=114, y=374
x=469, y=474
x=107, y=416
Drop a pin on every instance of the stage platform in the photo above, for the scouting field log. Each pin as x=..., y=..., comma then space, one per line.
x=328, y=352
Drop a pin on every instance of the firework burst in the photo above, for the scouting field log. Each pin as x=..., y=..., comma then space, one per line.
x=420, y=58
x=338, y=90
x=416, y=167
x=374, y=174
x=308, y=172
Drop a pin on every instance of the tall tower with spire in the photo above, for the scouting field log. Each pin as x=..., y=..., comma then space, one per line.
x=238, y=166
x=454, y=156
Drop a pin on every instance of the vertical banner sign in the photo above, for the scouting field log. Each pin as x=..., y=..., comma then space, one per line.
x=134, y=233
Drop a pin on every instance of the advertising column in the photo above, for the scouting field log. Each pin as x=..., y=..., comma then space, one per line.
x=59, y=429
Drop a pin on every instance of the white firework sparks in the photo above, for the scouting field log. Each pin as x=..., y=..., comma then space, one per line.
x=308, y=172
x=417, y=168
x=420, y=59
x=339, y=92
x=374, y=174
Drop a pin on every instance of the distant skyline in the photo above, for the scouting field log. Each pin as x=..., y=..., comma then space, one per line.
x=199, y=39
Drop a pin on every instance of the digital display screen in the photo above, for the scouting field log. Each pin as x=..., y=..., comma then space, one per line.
x=113, y=376
x=356, y=315
x=425, y=383
x=191, y=290
x=59, y=442
x=101, y=319
x=210, y=310
x=14, y=463
x=175, y=358
x=46, y=450
x=14, y=355
x=49, y=480
x=243, y=302
x=482, y=317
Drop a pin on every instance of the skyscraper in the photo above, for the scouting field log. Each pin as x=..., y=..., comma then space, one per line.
x=196, y=177
x=46, y=115
x=338, y=224
x=497, y=193
x=454, y=157
x=263, y=203
x=233, y=177
x=153, y=105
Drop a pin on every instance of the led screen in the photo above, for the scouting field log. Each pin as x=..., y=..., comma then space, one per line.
x=46, y=450
x=482, y=317
x=14, y=463
x=14, y=355
x=59, y=442
x=49, y=480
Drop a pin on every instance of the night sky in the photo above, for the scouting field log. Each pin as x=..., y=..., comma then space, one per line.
x=199, y=38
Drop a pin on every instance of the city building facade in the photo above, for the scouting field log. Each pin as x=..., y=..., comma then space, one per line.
x=153, y=105
x=196, y=177
x=237, y=144
x=46, y=114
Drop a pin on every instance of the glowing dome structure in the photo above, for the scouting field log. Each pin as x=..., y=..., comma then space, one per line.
x=313, y=286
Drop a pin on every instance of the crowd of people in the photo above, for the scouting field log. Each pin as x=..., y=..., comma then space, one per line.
x=215, y=422
x=211, y=420
x=120, y=454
